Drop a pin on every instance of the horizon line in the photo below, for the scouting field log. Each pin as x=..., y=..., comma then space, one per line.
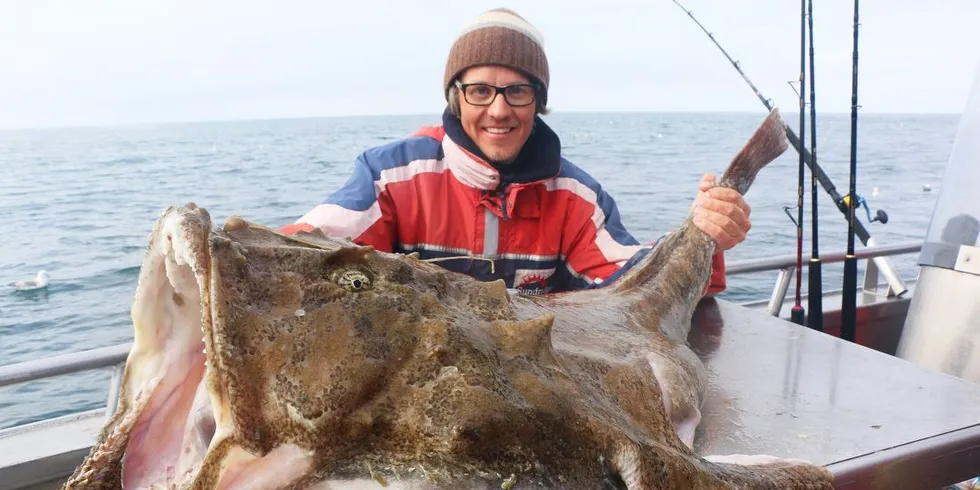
x=553, y=112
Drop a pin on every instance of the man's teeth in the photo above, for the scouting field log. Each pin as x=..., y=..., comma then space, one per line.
x=498, y=130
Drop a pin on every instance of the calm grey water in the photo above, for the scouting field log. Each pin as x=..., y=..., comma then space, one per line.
x=80, y=203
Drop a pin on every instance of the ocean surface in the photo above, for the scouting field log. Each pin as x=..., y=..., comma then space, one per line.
x=80, y=202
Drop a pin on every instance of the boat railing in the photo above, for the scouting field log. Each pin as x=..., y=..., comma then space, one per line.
x=115, y=356
x=877, y=266
x=48, y=367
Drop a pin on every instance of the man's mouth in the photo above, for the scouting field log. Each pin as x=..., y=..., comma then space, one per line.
x=498, y=130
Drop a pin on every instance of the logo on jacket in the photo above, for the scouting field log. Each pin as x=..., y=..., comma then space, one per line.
x=532, y=281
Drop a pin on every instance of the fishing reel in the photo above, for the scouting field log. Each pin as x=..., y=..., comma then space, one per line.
x=880, y=216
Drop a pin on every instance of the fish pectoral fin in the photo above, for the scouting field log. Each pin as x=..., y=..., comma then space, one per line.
x=682, y=380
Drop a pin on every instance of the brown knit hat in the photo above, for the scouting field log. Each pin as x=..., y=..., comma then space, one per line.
x=499, y=37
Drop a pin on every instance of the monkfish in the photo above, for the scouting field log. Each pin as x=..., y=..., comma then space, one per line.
x=269, y=361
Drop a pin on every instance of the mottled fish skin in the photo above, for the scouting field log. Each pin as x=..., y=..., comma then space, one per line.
x=335, y=366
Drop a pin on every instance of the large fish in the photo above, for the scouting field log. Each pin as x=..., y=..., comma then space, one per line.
x=266, y=361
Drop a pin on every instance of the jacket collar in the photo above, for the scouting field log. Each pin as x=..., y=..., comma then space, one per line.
x=538, y=160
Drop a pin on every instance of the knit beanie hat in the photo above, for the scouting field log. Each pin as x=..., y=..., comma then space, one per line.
x=499, y=37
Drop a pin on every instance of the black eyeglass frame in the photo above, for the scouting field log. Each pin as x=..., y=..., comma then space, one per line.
x=498, y=90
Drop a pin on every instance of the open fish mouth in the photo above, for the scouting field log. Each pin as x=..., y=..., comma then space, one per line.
x=165, y=393
x=179, y=422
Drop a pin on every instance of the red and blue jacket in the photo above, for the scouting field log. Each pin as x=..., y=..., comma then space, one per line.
x=540, y=223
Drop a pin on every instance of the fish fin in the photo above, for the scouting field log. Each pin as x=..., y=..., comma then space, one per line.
x=752, y=460
x=497, y=289
x=526, y=337
x=636, y=467
x=766, y=144
x=756, y=470
x=235, y=223
x=682, y=378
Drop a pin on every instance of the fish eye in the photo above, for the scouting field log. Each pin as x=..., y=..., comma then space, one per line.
x=354, y=281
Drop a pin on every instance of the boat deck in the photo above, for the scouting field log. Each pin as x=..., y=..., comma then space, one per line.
x=51, y=485
x=875, y=420
x=775, y=388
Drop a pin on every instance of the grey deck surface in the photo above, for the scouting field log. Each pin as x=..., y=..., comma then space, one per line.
x=781, y=389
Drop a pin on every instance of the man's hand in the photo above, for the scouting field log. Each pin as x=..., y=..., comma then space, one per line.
x=721, y=213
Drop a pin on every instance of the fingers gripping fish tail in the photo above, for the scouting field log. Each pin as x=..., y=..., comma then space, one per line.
x=767, y=144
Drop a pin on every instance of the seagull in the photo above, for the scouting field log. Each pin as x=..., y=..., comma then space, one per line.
x=40, y=281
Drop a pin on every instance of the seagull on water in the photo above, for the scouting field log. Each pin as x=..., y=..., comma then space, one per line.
x=39, y=281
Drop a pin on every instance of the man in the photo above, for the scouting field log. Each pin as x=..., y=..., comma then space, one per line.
x=488, y=193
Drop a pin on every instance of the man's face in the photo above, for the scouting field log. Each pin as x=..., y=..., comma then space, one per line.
x=498, y=129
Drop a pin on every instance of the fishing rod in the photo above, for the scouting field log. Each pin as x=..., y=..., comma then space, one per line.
x=860, y=231
x=797, y=313
x=815, y=276
x=849, y=300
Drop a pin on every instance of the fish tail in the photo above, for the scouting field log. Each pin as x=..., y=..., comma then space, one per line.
x=676, y=272
x=767, y=144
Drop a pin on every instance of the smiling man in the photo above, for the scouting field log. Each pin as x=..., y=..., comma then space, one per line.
x=488, y=193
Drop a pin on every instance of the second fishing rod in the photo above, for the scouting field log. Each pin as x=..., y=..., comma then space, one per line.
x=815, y=274
x=848, y=309
x=797, y=314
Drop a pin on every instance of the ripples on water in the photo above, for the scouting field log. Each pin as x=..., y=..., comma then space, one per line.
x=80, y=203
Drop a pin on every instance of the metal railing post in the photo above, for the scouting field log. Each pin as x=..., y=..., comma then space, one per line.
x=779, y=290
x=870, y=276
x=115, y=382
x=896, y=286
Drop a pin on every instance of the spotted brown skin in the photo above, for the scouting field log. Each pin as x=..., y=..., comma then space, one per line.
x=316, y=363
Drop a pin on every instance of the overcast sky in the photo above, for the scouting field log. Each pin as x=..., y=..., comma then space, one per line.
x=95, y=62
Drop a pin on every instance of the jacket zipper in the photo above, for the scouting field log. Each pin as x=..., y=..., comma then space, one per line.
x=503, y=203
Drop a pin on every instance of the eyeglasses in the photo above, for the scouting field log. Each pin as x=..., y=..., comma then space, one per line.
x=483, y=94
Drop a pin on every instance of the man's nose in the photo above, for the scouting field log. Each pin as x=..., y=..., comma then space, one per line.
x=499, y=108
